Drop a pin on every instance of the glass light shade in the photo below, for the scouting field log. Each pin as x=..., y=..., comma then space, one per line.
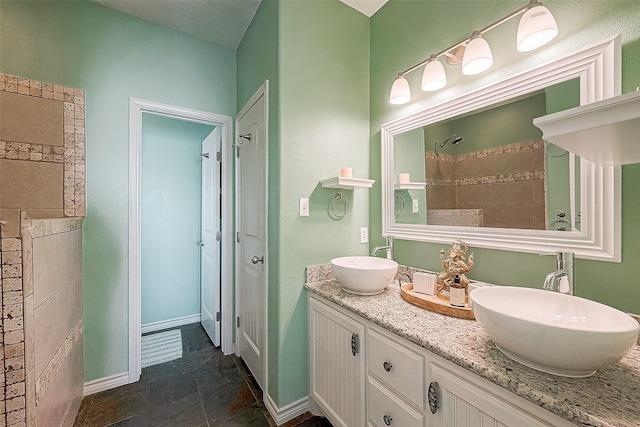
x=400, y=92
x=477, y=57
x=434, y=77
x=537, y=27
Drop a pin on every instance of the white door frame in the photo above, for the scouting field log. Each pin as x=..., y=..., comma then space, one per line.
x=263, y=91
x=136, y=108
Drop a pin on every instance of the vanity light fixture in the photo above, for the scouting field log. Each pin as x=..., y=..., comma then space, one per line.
x=537, y=27
x=400, y=91
x=477, y=56
x=434, y=77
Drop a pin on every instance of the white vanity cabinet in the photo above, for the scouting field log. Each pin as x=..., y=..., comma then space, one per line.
x=395, y=382
x=387, y=381
x=465, y=400
x=337, y=365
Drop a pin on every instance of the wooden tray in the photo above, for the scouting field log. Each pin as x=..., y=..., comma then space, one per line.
x=433, y=303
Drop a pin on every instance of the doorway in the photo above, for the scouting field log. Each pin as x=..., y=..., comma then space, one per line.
x=178, y=184
x=224, y=225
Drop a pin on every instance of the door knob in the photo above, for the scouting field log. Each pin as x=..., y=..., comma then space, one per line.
x=256, y=260
x=200, y=243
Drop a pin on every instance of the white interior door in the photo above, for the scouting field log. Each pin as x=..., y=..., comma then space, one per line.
x=252, y=219
x=210, y=246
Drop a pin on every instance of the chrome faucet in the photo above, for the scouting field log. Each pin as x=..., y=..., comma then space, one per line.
x=388, y=247
x=561, y=280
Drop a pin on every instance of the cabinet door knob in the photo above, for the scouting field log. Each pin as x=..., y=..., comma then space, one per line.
x=387, y=419
x=432, y=396
x=387, y=366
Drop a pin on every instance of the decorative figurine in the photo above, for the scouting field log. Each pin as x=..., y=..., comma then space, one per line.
x=456, y=264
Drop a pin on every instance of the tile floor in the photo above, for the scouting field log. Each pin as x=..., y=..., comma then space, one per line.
x=204, y=388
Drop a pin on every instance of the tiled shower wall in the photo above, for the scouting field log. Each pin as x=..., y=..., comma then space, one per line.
x=42, y=175
x=506, y=183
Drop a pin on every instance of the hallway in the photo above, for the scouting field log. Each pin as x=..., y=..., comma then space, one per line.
x=204, y=388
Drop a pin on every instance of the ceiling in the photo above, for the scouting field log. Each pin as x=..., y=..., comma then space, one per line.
x=222, y=22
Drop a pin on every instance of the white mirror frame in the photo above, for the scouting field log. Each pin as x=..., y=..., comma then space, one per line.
x=599, y=70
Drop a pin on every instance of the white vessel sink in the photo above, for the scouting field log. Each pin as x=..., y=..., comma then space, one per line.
x=364, y=275
x=552, y=332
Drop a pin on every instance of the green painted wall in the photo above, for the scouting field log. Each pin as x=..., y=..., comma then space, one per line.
x=409, y=157
x=405, y=32
x=319, y=115
x=324, y=64
x=171, y=194
x=112, y=56
x=559, y=97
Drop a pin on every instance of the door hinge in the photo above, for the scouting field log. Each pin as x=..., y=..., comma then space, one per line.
x=219, y=236
x=218, y=316
x=238, y=322
x=238, y=237
x=219, y=156
x=237, y=151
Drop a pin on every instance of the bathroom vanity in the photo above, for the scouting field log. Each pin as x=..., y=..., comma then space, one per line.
x=380, y=361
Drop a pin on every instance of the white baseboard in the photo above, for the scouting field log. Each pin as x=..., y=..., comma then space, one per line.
x=170, y=323
x=287, y=412
x=106, y=383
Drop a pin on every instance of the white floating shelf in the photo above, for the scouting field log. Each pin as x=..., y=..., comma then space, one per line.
x=347, y=183
x=606, y=132
x=410, y=185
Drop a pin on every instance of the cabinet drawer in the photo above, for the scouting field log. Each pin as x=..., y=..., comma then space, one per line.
x=386, y=409
x=397, y=366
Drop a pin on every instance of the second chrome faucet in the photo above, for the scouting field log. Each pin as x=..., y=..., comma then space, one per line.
x=561, y=280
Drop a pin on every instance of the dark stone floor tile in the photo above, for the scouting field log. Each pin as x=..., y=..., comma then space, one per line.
x=135, y=421
x=196, y=339
x=247, y=416
x=83, y=412
x=255, y=388
x=202, y=389
x=115, y=405
x=227, y=401
x=167, y=389
x=186, y=412
x=315, y=422
x=224, y=385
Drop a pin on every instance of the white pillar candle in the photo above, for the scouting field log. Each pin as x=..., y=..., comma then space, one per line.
x=405, y=177
x=346, y=172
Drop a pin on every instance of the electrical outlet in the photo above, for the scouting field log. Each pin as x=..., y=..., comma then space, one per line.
x=364, y=235
x=304, y=206
x=414, y=206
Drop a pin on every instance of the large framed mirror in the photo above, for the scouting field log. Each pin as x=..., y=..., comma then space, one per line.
x=476, y=167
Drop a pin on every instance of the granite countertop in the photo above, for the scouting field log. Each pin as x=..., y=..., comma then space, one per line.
x=610, y=398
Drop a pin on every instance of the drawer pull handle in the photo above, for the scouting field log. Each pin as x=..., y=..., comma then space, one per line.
x=355, y=344
x=432, y=396
x=387, y=419
x=387, y=366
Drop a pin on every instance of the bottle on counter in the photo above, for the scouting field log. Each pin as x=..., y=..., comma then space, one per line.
x=457, y=293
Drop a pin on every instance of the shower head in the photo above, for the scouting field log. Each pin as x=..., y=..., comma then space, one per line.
x=453, y=139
